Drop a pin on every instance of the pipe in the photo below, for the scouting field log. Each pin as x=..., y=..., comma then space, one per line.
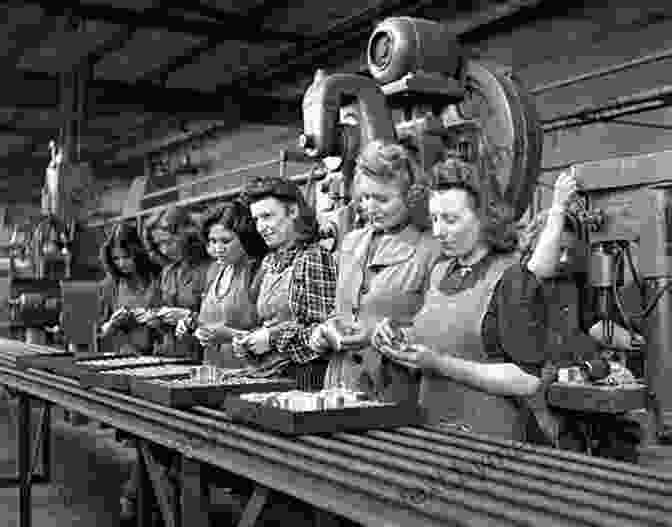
x=288, y=452
x=486, y=478
x=212, y=177
x=603, y=72
x=584, y=482
x=630, y=104
x=196, y=200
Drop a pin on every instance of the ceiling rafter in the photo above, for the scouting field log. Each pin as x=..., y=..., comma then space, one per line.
x=258, y=13
x=348, y=34
x=37, y=89
x=237, y=27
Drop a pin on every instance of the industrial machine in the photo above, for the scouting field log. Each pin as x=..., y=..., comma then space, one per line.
x=49, y=276
x=421, y=90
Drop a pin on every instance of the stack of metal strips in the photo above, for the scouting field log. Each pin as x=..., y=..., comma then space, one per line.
x=411, y=476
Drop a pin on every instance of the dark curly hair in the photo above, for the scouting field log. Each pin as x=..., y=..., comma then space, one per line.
x=177, y=222
x=289, y=193
x=127, y=238
x=235, y=216
x=499, y=228
x=394, y=163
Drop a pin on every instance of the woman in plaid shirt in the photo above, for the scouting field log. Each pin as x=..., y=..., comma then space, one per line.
x=298, y=284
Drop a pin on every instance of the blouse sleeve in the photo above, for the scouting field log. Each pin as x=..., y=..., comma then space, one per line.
x=519, y=306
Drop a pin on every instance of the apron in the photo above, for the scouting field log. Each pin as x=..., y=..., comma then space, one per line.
x=273, y=309
x=390, y=283
x=139, y=339
x=228, y=301
x=182, y=286
x=452, y=324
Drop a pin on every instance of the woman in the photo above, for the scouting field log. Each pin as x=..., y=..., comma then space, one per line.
x=552, y=250
x=229, y=305
x=131, y=283
x=384, y=271
x=174, y=238
x=297, y=287
x=479, y=339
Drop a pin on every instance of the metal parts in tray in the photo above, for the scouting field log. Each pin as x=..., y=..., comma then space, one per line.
x=587, y=397
x=119, y=379
x=327, y=411
x=207, y=386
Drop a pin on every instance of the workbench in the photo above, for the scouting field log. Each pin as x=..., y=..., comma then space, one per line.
x=410, y=476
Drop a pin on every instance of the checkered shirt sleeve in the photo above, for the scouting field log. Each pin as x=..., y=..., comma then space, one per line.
x=312, y=296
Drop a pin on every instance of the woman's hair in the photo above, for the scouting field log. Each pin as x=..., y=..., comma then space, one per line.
x=236, y=217
x=289, y=193
x=126, y=238
x=498, y=225
x=176, y=222
x=395, y=164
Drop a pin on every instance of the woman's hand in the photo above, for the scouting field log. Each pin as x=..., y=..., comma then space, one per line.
x=172, y=315
x=257, y=342
x=107, y=328
x=564, y=189
x=182, y=328
x=148, y=317
x=416, y=357
x=388, y=333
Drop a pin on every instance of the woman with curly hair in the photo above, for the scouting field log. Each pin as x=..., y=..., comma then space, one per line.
x=479, y=339
x=384, y=270
x=175, y=240
x=131, y=283
x=229, y=306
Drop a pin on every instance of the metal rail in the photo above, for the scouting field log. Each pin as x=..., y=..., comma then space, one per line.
x=603, y=72
x=410, y=476
x=196, y=200
x=639, y=102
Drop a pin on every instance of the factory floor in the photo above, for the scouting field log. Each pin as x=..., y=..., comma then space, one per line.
x=88, y=469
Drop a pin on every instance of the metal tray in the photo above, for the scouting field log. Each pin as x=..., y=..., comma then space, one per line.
x=111, y=380
x=598, y=398
x=178, y=395
x=56, y=361
x=328, y=421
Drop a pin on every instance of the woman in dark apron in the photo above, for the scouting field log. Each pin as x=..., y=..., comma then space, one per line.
x=229, y=307
x=131, y=283
x=177, y=239
x=298, y=284
x=384, y=271
x=479, y=339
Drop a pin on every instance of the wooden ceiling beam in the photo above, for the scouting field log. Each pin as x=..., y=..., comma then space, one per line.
x=235, y=26
x=259, y=13
x=23, y=89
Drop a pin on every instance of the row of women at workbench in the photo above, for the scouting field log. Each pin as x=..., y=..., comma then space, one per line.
x=439, y=298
